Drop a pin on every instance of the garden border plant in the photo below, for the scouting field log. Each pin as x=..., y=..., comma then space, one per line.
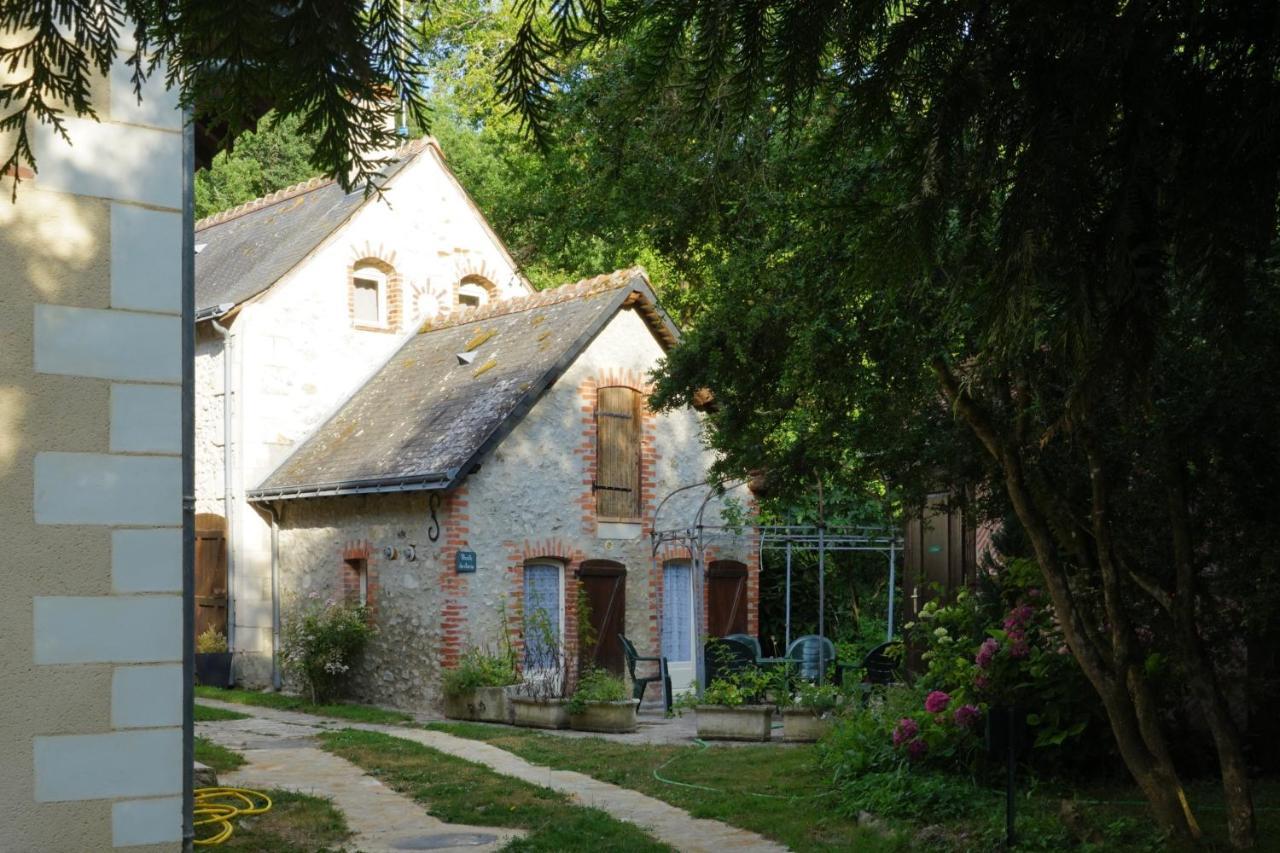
x=322, y=641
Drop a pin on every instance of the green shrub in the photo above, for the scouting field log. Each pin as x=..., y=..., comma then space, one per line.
x=597, y=685
x=819, y=698
x=321, y=642
x=480, y=668
x=211, y=641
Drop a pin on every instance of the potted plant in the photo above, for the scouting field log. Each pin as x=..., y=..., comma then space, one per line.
x=602, y=703
x=213, y=661
x=476, y=689
x=734, y=707
x=539, y=700
x=811, y=712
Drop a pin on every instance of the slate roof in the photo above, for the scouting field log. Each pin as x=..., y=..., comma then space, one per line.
x=248, y=248
x=428, y=416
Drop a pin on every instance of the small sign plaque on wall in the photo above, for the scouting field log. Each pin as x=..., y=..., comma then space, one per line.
x=465, y=562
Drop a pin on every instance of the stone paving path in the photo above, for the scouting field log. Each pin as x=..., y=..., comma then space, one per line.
x=664, y=821
x=282, y=754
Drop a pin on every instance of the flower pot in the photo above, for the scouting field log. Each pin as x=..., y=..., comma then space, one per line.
x=213, y=669
x=800, y=726
x=483, y=705
x=614, y=717
x=745, y=722
x=540, y=713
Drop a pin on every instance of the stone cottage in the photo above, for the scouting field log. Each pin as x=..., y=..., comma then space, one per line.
x=410, y=425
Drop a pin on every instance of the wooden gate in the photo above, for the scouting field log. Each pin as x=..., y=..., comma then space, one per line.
x=211, y=573
x=726, y=598
x=604, y=586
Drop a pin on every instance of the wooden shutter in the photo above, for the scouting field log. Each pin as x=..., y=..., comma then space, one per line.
x=617, y=482
x=726, y=598
x=211, y=573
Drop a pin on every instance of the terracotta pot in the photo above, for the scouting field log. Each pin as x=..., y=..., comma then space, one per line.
x=800, y=726
x=540, y=713
x=611, y=717
x=483, y=704
x=745, y=722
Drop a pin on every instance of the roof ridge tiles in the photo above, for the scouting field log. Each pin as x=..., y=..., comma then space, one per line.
x=409, y=148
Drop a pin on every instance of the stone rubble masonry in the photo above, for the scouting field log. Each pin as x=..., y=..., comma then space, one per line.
x=90, y=480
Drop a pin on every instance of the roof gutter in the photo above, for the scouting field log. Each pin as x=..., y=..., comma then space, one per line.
x=376, y=485
x=213, y=312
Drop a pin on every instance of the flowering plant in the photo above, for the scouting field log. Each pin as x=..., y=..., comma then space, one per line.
x=321, y=641
x=942, y=733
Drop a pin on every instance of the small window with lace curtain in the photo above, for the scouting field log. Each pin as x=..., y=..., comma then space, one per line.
x=617, y=483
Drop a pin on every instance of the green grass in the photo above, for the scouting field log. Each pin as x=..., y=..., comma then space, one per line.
x=208, y=714
x=798, y=813
x=286, y=702
x=459, y=791
x=296, y=823
x=218, y=757
x=926, y=815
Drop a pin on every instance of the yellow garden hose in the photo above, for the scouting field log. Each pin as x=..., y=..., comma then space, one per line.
x=217, y=807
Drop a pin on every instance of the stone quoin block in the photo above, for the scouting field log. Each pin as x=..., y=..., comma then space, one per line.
x=99, y=488
x=146, y=696
x=107, y=629
x=146, y=259
x=146, y=560
x=108, y=344
x=116, y=764
x=146, y=418
x=154, y=821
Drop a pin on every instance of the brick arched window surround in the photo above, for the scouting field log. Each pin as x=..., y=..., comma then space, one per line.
x=375, y=295
x=474, y=290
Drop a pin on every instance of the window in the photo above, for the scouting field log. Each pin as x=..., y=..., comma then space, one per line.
x=472, y=295
x=369, y=297
x=617, y=484
x=543, y=616
x=355, y=581
x=677, y=611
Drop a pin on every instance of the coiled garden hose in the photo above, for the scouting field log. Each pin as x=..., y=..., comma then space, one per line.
x=702, y=743
x=217, y=807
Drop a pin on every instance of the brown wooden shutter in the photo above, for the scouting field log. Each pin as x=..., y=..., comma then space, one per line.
x=211, y=573
x=617, y=453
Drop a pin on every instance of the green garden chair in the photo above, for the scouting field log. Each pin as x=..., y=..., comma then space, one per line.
x=638, y=684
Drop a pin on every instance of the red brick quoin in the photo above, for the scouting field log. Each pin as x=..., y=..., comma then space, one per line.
x=349, y=576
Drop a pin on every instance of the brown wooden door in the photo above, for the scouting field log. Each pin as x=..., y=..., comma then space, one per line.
x=604, y=593
x=726, y=598
x=211, y=573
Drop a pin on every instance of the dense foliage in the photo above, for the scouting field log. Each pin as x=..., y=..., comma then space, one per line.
x=597, y=685
x=321, y=641
x=277, y=155
x=479, y=667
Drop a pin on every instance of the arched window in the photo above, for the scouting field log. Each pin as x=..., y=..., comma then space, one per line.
x=543, y=616
x=370, y=296
x=474, y=291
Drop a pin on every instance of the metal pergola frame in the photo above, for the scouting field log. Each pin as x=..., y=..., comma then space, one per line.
x=785, y=537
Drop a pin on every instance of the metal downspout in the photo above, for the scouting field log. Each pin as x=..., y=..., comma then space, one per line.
x=274, y=510
x=228, y=500
x=188, y=395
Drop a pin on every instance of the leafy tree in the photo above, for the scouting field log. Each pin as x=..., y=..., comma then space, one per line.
x=330, y=63
x=1031, y=244
x=278, y=155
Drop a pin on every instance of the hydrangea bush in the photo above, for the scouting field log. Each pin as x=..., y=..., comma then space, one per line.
x=321, y=641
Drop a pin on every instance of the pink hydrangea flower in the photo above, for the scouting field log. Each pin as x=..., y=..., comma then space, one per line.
x=906, y=729
x=986, y=652
x=936, y=702
x=1019, y=648
x=917, y=750
x=981, y=682
x=966, y=715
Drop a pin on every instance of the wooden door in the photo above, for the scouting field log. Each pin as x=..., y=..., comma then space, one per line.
x=726, y=598
x=604, y=592
x=211, y=573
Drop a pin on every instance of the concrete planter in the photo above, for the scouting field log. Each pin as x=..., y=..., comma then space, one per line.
x=609, y=717
x=800, y=726
x=745, y=722
x=540, y=713
x=483, y=704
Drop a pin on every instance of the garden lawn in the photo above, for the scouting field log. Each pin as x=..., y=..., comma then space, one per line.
x=297, y=823
x=798, y=811
x=218, y=757
x=287, y=702
x=208, y=714
x=459, y=791
x=929, y=809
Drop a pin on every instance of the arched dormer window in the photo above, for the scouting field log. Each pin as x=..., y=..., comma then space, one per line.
x=373, y=295
x=474, y=291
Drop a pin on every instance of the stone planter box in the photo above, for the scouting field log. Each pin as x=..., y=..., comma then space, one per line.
x=802, y=727
x=483, y=705
x=609, y=717
x=745, y=722
x=540, y=713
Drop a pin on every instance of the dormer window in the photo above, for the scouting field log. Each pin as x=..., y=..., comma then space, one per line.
x=373, y=296
x=474, y=291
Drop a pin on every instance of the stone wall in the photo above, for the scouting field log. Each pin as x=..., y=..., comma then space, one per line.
x=525, y=502
x=90, y=480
